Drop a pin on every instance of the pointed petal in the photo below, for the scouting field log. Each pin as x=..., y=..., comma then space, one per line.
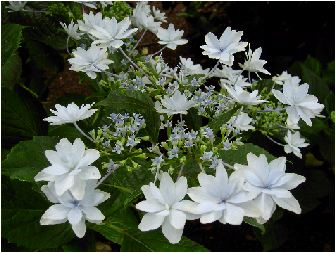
x=150, y=206
x=150, y=221
x=290, y=204
x=233, y=214
x=79, y=228
x=177, y=219
x=172, y=234
x=75, y=215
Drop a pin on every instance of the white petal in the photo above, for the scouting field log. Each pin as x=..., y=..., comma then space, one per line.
x=79, y=228
x=56, y=212
x=233, y=214
x=63, y=183
x=177, y=219
x=78, y=188
x=290, y=181
x=55, y=170
x=75, y=215
x=266, y=205
x=49, y=194
x=211, y=217
x=89, y=157
x=172, y=234
x=150, y=221
x=93, y=213
x=89, y=172
x=42, y=176
x=167, y=188
x=150, y=206
x=181, y=187
x=290, y=204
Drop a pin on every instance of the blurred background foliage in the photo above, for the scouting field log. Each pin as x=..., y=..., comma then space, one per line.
x=295, y=36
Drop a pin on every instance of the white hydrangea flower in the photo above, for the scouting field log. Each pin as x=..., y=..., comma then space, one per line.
x=235, y=81
x=165, y=207
x=224, y=47
x=171, y=37
x=253, y=62
x=242, y=96
x=111, y=33
x=143, y=19
x=90, y=21
x=90, y=61
x=271, y=184
x=70, y=113
x=72, y=30
x=70, y=167
x=189, y=68
x=158, y=15
x=242, y=122
x=286, y=78
x=177, y=103
x=67, y=208
x=220, y=198
x=301, y=104
x=294, y=143
x=16, y=5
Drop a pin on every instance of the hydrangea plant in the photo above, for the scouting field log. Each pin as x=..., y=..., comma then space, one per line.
x=146, y=125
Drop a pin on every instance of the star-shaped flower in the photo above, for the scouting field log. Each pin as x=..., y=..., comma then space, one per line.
x=72, y=30
x=70, y=167
x=111, y=33
x=165, y=207
x=219, y=198
x=189, y=68
x=90, y=61
x=224, y=47
x=70, y=114
x=242, y=96
x=178, y=103
x=171, y=37
x=294, y=143
x=270, y=183
x=286, y=78
x=90, y=21
x=253, y=62
x=67, y=208
x=301, y=104
x=242, y=122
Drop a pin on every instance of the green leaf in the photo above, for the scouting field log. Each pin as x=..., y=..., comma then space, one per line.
x=239, y=156
x=11, y=71
x=20, y=119
x=22, y=209
x=64, y=131
x=133, y=101
x=193, y=120
x=216, y=123
x=27, y=158
x=253, y=222
x=122, y=228
x=11, y=35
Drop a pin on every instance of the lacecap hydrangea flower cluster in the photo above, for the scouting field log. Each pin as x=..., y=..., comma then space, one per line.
x=226, y=192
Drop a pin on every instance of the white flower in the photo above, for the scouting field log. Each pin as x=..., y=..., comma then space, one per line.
x=286, y=78
x=90, y=21
x=301, y=104
x=178, y=103
x=67, y=208
x=165, y=207
x=70, y=167
x=294, y=143
x=235, y=81
x=143, y=18
x=111, y=33
x=224, y=47
x=158, y=15
x=242, y=96
x=90, y=61
x=72, y=30
x=219, y=198
x=271, y=184
x=16, y=5
x=171, y=37
x=241, y=122
x=189, y=68
x=70, y=114
x=253, y=62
